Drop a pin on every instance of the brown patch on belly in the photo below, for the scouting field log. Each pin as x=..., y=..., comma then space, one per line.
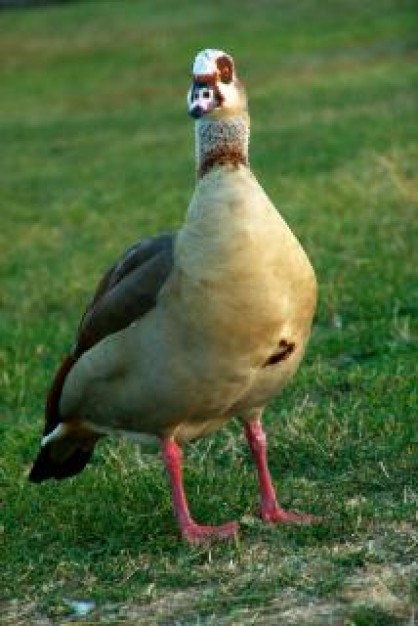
x=285, y=350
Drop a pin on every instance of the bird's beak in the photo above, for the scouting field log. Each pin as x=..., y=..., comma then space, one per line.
x=201, y=99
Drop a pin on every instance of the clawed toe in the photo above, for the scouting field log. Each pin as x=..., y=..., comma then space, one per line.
x=197, y=534
x=276, y=515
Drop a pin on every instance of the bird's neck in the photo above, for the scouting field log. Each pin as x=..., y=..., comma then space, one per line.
x=221, y=142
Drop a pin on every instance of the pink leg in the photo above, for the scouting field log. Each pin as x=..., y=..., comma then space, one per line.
x=190, y=530
x=270, y=509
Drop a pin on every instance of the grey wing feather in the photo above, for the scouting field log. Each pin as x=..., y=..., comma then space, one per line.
x=127, y=291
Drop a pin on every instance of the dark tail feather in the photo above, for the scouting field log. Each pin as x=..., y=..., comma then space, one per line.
x=46, y=466
x=68, y=454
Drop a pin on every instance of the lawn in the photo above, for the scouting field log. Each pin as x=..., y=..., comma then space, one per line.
x=96, y=151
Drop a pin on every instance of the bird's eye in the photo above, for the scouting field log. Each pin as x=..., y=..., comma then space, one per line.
x=206, y=93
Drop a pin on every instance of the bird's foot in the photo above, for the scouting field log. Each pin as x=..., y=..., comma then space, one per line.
x=195, y=534
x=272, y=513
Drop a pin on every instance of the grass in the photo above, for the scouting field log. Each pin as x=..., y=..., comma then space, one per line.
x=97, y=151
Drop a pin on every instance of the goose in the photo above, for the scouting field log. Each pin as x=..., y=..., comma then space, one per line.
x=188, y=330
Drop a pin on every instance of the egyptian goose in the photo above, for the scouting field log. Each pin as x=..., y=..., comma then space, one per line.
x=188, y=330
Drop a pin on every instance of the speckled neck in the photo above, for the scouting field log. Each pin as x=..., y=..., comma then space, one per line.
x=221, y=142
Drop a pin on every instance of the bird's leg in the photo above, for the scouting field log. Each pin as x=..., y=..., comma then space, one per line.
x=190, y=530
x=270, y=509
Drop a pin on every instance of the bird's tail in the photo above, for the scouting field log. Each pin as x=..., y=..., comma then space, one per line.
x=64, y=456
x=66, y=447
x=64, y=452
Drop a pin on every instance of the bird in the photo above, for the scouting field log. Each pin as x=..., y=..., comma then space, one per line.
x=190, y=329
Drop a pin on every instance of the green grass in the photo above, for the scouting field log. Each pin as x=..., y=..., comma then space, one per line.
x=96, y=152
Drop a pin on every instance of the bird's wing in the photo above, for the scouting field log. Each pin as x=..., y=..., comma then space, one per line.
x=126, y=292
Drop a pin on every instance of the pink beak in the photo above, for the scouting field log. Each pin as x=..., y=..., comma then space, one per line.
x=201, y=99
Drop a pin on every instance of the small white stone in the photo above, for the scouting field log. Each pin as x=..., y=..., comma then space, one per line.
x=81, y=608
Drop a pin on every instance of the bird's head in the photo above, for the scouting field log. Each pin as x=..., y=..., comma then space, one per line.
x=215, y=90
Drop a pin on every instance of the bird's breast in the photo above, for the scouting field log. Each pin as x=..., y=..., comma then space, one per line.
x=241, y=277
